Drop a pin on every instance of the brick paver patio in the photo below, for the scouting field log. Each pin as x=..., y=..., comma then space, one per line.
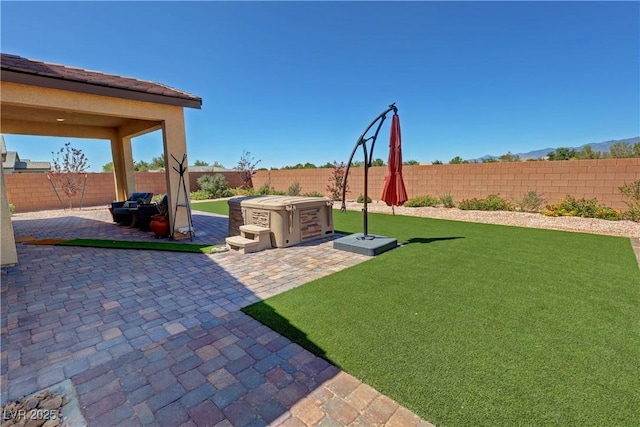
x=157, y=338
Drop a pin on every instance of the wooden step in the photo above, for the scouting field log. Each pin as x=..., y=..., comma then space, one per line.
x=242, y=244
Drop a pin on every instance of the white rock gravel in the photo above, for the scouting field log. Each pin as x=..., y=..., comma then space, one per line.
x=520, y=219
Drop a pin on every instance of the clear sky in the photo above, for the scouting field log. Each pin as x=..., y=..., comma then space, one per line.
x=296, y=82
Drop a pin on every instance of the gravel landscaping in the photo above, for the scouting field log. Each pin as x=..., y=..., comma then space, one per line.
x=520, y=219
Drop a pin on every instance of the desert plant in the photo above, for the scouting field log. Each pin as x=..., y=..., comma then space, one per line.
x=12, y=208
x=446, y=200
x=360, y=199
x=313, y=194
x=530, y=202
x=264, y=189
x=421, y=201
x=294, y=189
x=68, y=171
x=584, y=208
x=214, y=185
x=199, y=195
x=631, y=194
x=492, y=202
x=336, y=181
x=242, y=191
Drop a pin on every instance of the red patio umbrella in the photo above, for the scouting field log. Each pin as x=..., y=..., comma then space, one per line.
x=394, y=192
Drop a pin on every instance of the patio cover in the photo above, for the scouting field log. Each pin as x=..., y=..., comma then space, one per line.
x=41, y=98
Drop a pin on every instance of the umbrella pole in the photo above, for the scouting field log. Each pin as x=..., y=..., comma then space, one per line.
x=367, y=162
x=365, y=212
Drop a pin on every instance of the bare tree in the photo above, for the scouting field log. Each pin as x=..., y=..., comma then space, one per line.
x=247, y=166
x=68, y=171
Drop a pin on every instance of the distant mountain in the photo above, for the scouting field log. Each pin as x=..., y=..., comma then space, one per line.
x=596, y=146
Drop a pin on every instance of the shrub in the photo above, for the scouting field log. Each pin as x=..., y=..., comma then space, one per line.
x=313, y=194
x=582, y=208
x=530, y=202
x=631, y=194
x=447, y=201
x=214, y=185
x=360, y=199
x=493, y=202
x=240, y=191
x=12, y=208
x=199, y=195
x=421, y=201
x=264, y=189
x=294, y=189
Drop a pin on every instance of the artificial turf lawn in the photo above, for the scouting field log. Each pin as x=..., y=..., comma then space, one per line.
x=475, y=324
x=220, y=207
x=128, y=244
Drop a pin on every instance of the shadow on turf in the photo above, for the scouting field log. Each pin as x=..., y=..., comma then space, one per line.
x=430, y=239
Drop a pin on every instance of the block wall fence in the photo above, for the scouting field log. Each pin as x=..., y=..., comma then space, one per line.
x=554, y=179
x=33, y=192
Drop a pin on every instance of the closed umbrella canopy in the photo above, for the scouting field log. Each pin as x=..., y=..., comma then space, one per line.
x=394, y=192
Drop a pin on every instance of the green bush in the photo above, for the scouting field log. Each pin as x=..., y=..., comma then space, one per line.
x=631, y=194
x=240, y=191
x=360, y=199
x=264, y=189
x=313, y=194
x=214, y=185
x=12, y=208
x=530, y=202
x=493, y=202
x=582, y=208
x=421, y=201
x=447, y=201
x=294, y=189
x=199, y=195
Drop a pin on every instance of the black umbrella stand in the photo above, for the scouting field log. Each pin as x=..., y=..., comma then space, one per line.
x=368, y=157
x=365, y=243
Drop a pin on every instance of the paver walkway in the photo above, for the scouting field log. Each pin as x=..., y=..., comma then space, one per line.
x=157, y=338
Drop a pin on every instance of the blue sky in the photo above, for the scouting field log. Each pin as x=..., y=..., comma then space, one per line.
x=296, y=82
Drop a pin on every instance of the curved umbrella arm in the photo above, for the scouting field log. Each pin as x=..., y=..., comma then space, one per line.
x=361, y=141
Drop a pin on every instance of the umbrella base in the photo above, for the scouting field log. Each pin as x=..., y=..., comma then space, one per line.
x=370, y=245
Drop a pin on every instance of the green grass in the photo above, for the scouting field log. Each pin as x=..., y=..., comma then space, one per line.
x=217, y=206
x=473, y=324
x=127, y=244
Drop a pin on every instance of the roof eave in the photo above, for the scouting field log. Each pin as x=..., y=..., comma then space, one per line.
x=93, y=89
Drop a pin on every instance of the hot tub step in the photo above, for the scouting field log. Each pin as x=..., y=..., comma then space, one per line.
x=242, y=244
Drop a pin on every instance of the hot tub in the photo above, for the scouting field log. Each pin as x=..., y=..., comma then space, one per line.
x=291, y=219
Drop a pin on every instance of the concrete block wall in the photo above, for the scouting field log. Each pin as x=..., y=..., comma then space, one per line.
x=579, y=178
x=553, y=179
x=33, y=192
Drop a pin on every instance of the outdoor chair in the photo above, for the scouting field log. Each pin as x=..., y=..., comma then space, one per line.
x=122, y=211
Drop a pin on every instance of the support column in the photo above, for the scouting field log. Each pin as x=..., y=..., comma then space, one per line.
x=8, y=252
x=123, y=172
x=175, y=143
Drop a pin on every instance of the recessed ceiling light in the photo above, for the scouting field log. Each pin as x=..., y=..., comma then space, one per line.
x=60, y=120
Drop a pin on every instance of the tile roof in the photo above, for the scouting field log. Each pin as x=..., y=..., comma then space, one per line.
x=19, y=64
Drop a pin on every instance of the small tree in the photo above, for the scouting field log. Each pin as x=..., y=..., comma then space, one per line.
x=336, y=181
x=68, y=171
x=247, y=166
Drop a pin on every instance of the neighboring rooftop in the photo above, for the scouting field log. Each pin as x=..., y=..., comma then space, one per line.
x=39, y=73
x=13, y=164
